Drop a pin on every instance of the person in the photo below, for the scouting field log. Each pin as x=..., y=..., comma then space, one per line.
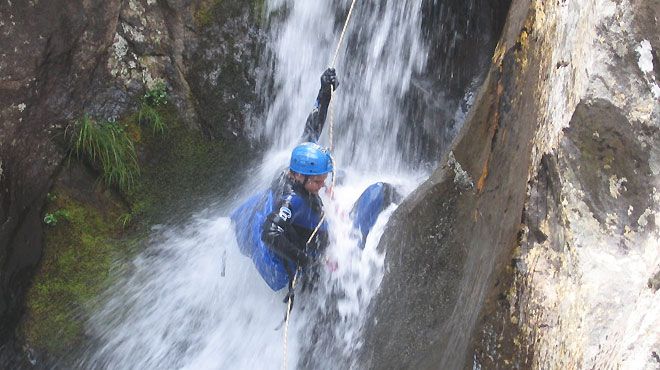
x=295, y=230
x=282, y=229
x=274, y=228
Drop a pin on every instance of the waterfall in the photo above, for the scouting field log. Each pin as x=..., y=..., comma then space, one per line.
x=382, y=52
x=191, y=300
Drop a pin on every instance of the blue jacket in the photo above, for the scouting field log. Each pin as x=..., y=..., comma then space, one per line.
x=273, y=227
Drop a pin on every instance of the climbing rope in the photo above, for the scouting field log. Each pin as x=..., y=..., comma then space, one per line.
x=293, y=287
x=343, y=32
x=288, y=313
x=330, y=108
x=332, y=90
x=332, y=65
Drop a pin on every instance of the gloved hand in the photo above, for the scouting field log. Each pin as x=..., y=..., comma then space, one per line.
x=329, y=78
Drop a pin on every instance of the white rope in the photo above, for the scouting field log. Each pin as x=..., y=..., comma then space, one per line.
x=288, y=312
x=332, y=91
x=293, y=287
x=330, y=108
x=343, y=31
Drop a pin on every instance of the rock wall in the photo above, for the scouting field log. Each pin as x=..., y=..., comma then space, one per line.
x=65, y=59
x=51, y=61
x=461, y=36
x=580, y=292
x=575, y=206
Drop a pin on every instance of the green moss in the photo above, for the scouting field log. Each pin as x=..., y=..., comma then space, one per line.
x=218, y=11
x=74, y=270
x=174, y=163
x=178, y=168
x=203, y=16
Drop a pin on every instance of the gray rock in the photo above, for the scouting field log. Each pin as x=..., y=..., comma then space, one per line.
x=654, y=282
x=63, y=59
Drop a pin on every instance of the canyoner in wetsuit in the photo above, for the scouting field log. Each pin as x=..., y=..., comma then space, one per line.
x=273, y=228
x=295, y=230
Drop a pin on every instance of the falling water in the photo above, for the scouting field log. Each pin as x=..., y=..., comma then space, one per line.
x=191, y=300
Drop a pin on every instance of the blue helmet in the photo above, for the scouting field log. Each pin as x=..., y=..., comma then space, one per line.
x=310, y=159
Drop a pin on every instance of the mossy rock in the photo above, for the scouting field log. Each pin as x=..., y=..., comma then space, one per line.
x=219, y=11
x=173, y=161
x=81, y=247
x=88, y=233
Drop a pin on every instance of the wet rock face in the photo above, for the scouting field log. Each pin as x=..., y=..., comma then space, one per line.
x=582, y=288
x=406, y=324
x=221, y=75
x=63, y=59
x=545, y=204
x=611, y=164
x=461, y=36
x=508, y=304
x=446, y=240
x=50, y=61
x=558, y=233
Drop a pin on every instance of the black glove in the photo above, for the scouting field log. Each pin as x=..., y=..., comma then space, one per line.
x=329, y=78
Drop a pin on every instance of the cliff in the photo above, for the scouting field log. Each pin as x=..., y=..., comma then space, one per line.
x=532, y=243
x=164, y=78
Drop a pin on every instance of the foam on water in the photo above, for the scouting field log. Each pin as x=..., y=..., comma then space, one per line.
x=172, y=308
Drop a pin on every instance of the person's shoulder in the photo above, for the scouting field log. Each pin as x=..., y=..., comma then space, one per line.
x=294, y=199
x=288, y=193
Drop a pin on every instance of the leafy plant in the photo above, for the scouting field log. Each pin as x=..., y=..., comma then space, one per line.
x=125, y=219
x=157, y=95
x=107, y=145
x=51, y=219
x=151, y=101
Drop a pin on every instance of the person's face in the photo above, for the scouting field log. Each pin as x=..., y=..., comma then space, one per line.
x=315, y=183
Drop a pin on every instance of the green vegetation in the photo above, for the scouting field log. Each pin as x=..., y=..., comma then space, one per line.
x=177, y=159
x=94, y=224
x=219, y=11
x=152, y=100
x=156, y=96
x=74, y=270
x=108, y=146
x=51, y=219
x=150, y=114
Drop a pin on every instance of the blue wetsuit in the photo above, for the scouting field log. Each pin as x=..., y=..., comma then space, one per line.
x=296, y=212
x=273, y=227
x=291, y=223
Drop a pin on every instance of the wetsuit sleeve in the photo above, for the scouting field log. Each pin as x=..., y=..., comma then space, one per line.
x=280, y=237
x=316, y=119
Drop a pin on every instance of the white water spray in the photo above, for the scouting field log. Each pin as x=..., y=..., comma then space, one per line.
x=173, y=308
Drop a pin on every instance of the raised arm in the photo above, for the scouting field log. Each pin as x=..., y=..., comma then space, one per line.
x=316, y=119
